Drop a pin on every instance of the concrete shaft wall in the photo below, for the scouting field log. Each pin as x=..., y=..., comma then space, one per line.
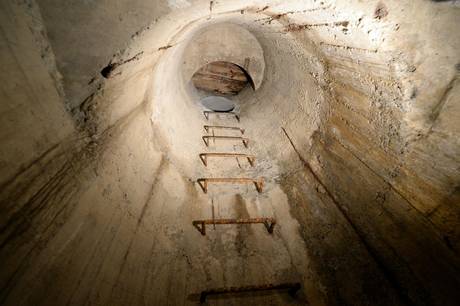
x=354, y=125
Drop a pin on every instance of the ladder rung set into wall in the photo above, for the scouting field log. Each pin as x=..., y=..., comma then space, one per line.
x=204, y=157
x=258, y=183
x=205, y=182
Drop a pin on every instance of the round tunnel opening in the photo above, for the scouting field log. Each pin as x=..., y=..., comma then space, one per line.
x=221, y=78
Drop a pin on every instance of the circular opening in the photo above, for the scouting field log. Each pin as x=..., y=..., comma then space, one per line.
x=218, y=103
x=221, y=78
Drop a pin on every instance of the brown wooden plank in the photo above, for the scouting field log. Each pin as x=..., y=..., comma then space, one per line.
x=220, y=77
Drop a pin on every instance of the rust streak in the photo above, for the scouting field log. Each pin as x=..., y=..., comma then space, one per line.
x=294, y=27
x=439, y=106
x=291, y=287
x=370, y=250
x=348, y=47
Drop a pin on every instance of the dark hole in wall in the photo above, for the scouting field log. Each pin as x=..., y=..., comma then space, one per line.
x=107, y=70
x=381, y=11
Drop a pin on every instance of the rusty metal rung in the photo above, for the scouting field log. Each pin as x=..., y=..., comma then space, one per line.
x=204, y=157
x=259, y=183
x=244, y=140
x=291, y=287
x=207, y=113
x=268, y=222
x=221, y=127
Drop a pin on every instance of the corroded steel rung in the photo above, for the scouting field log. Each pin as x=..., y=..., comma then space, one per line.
x=207, y=113
x=201, y=224
x=291, y=287
x=244, y=140
x=221, y=127
x=259, y=183
x=204, y=157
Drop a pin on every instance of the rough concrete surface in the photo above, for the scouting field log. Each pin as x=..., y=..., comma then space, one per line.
x=353, y=121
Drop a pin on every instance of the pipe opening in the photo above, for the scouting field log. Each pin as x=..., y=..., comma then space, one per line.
x=221, y=78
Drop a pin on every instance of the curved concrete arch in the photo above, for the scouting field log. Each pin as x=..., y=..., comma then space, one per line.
x=227, y=42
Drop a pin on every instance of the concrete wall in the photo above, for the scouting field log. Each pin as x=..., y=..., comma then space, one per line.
x=229, y=43
x=87, y=35
x=34, y=118
x=354, y=127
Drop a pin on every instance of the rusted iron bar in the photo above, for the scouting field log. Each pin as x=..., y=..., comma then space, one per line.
x=207, y=113
x=204, y=157
x=259, y=183
x=221, y=127
x=244, y=140
x=201, y=224
x=291, y=287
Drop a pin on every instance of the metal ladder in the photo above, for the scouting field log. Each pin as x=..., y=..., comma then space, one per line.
x=204, y=183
